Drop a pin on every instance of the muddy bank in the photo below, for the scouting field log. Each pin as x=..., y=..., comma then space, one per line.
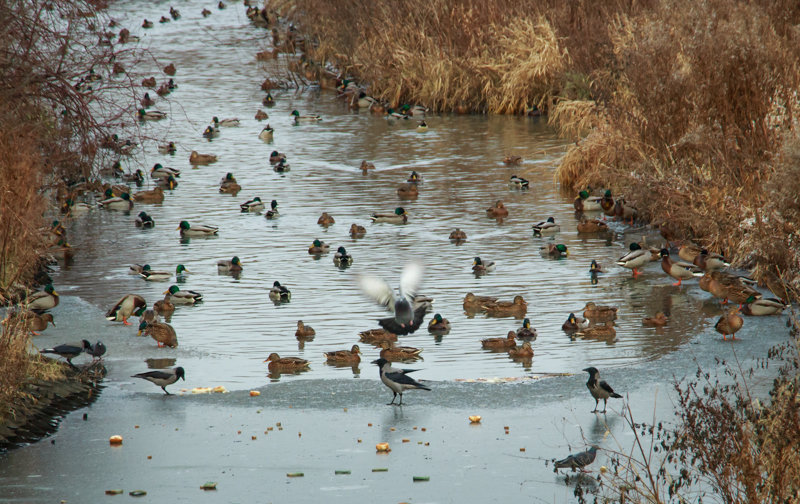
x=40, y=405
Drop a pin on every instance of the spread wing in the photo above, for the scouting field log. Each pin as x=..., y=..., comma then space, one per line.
x=410, y=280
x=378, y=290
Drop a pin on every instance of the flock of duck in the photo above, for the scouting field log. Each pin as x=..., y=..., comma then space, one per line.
x=407, y=307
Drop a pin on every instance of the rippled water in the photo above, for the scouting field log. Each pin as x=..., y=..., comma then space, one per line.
x=224, y=340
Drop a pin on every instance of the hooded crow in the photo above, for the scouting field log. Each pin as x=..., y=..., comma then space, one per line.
x=578, y=460
x=407, y=317
x=397, y=380
x=599, y=390
x=69, y=350
x=162, y=378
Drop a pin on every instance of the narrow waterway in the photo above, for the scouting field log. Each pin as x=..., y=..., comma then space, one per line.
x=326, y=410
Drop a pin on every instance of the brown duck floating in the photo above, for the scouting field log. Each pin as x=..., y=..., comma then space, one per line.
x=521, y=352
x=599, y=313
x=658, y=320
x=592, y=226
x=498, y=210
x=393, y=353
x=510, y=341
x=278, y=363
x=458, y=236
x=516, y=308
x=600, y=331
x=473, y=303
x=357, y=231
x=377, y=336
x=304, y=331
x=407, y=191
x=326, y=220
x=344, y=356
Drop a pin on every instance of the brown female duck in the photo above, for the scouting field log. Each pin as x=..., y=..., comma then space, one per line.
x=510, y=341
x=592, y=226
x=658, y=320
x=304, y=331
x=344, y=356
x=357, y=231
x=599, y=313
x=155, y=195
x=377, y=336
x=326, y=220
x=516, y=308
x=729, y=323
x=473, y=303
x=407, y=191
x=498, y=210
x=521, y=352
x=163, y=333
x=278, y=363
x=393, y=353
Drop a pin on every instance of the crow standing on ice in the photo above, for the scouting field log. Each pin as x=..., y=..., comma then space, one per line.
x=599, y=389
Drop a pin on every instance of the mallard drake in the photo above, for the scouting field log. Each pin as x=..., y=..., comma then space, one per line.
x=164, y=307
x=595, y=268
x=205, y=13
x=210, y=132
x=710, y=262
x=521, y=352
x=357, y=231
x=392, y=115
x=159, y=171
x=510, y=341
x=398, y=217
x=267, y=134
x=393, y=353
x=304, y=119
x=135, y=269
x=512, y=160
x=458, y=236
x=163, y=333
x=546, y=227
x=178, y=296
x=253, y=205
x=414, y=110
x=326, y=220
x=599, y=313
x=279, y=293
x=147, y=24
x=168, y=183
x=121, y=202
x=366, y=167
x=269, y=101
x=689, y=252
x=272, y=213
x=155, y=195
x=70, y=208
x=498, y=210
x=607, y=203
x=144, y=221
x=342, y=259
x=262, y=116
x=584, y=204
x=592, y=226
x=281, y=166
x=228, y=123
x=233, y=265
x=276, y=157
x=319, y=247
x=168, y=148
x=151, y=115
x=304, y=331
x=347, y=356
x=729, y=323
x=761, y=307
x=364, y=101
x=221, y=5
x=518, y=182
x=473, y=303
x=602, y=331
x=278, y=363
x=164, y=19
x=678, y=270
x=375, y=336
x=414, y=178
x=154, y=276
x=554, y=250
x=480, y=267
x=422, y=127
x=198, y=230
x=516, y=308
x=181, y=273
x=574, y=323
x=201, y=159
x=136, y=177
x=407, y=191
x=623, y=211
x=658, y=320
x=129, y=305
x=438, y=324
x=526, y=331
x=636, y=258
x=174, y=13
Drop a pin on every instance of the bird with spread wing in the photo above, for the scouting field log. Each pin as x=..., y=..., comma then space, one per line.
x=408, y=315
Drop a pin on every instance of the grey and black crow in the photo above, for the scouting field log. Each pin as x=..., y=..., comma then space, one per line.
x=69, y=350
x=162, y=378
x=396, y=379
x=599, y=389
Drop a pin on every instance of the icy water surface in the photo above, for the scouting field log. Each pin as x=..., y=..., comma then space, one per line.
x=224, y=340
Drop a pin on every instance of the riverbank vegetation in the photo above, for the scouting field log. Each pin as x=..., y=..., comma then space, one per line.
x=62, y=91
x=687, y=108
